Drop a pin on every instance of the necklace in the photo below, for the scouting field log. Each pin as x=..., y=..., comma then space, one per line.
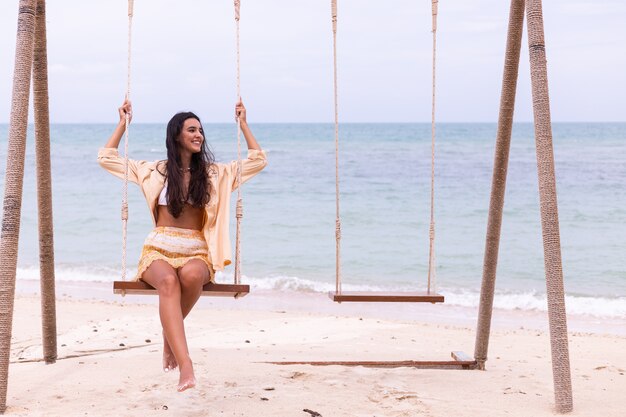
x=186, y=169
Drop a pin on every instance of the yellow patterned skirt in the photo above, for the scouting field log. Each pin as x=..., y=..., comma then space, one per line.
x=175, y=246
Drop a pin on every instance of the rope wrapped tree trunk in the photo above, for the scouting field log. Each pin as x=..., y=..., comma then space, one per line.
x=498, y=184
x=44, y=186
x=549, y=209
x=14, y=180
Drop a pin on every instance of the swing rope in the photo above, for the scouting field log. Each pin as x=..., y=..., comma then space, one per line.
x=239, y=210
x=337, y=195
x=431, y=248
x=431, y=255
x=127, y=123
x=122, y=287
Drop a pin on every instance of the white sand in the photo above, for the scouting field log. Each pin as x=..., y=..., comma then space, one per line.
x=229, y=341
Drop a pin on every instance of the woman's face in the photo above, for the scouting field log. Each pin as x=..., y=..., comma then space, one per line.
x=192, y=136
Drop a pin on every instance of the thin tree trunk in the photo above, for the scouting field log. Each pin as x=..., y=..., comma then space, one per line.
x=549, y=210
x=498, y=184
x=44, y=187
x=14, y=180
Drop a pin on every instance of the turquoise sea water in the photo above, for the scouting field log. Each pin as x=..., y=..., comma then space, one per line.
x=289, y=223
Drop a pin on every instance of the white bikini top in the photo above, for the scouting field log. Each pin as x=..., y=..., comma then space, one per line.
x=163, y=196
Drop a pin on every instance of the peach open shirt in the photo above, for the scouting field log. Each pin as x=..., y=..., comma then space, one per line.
x=223, y=179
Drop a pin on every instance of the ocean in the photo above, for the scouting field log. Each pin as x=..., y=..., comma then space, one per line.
x=289, y=209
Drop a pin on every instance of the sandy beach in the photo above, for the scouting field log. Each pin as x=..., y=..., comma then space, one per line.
x=110, y=359
x=378, y=123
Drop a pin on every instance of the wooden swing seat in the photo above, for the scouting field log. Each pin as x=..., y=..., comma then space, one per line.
x=211, y=289
x=386, y=297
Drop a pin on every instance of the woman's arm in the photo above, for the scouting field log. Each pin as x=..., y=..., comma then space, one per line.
x=240, y=112
x=108, y=156
x=256, y=159
x=116, y=136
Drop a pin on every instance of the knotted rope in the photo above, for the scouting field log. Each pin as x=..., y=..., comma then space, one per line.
x=127, y=123
x=239, y=210
x=333, y=7
x=431, y=231
x=431, y=258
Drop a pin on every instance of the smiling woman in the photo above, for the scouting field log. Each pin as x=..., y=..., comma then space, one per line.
x=189, y=199
x=188, y=187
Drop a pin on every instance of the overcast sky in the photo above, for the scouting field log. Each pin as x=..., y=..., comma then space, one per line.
x=184, y=59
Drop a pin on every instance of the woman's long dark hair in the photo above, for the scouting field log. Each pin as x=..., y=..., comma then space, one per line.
x=199, y=192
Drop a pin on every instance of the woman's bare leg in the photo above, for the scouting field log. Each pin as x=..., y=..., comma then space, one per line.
x=165, y=279
x=169, y=360
x=192, y=276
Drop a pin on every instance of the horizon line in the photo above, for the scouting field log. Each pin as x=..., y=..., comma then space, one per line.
x=343, y=123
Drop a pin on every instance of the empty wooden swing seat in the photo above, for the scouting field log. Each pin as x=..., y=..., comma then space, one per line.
x=211, y=289
x=383, y=296
x=386, y=297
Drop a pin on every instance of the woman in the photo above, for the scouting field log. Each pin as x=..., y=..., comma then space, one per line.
x=189, y=198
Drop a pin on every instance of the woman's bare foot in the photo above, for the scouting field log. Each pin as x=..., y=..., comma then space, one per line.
x=169, y=360
x=187, y=378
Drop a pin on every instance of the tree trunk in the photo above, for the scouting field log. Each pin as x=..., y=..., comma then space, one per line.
x=498, y=183
x=44, y=187
x=14, y=180
x=549, y=210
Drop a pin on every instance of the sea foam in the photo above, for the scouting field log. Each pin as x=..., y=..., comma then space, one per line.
x=600, y=307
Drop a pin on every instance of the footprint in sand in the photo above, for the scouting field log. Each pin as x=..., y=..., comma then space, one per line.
x=297, y=375
x=399, y=402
